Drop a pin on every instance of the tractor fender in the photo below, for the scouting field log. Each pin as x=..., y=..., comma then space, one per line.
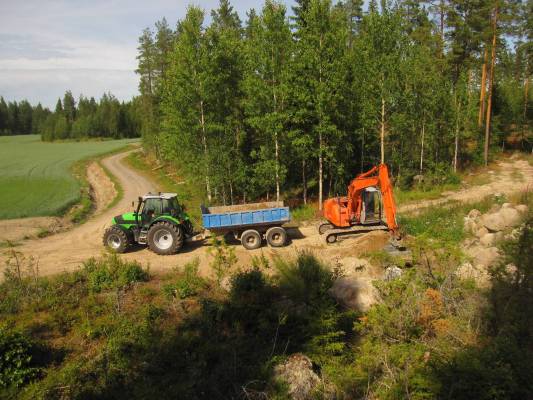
x=127, y=231
x=166, y=219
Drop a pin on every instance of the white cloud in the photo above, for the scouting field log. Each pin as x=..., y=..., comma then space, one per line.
x=89, y=47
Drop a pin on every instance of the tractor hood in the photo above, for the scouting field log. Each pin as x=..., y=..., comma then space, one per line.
x=126, y=218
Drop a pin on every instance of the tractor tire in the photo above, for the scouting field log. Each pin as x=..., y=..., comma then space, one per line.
x=251, y=239
x=116, y=239
x=276, y=236
x=165, y=238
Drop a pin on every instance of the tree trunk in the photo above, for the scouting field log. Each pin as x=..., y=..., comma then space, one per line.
x=304, y=181
x=362, y=151
x=231, y=192
x=491, y=83
x=483, y=88
x=456, y=151
x=206, y=154
x=422, y=145
x=382, y=130
x=277, y=165
x=524, y=116
x=320, y=171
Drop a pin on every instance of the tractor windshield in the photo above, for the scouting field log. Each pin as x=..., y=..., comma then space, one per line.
x=171, y=206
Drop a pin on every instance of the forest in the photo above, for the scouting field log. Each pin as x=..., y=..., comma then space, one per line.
x=86, y=118
x=300, y=102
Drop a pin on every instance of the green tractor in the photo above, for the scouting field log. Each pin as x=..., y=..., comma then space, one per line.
x=159, y=221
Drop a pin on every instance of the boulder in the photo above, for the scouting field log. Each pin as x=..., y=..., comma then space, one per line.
x=355, y=293
x=481, y=232
x=488, y=239
x=470, y=225
x=511, y=217
x=297, y=371
x=392, y=273
x=468, y=271
x=521, y=208
x=483, y=257
x=494, y=222
x=474, y=214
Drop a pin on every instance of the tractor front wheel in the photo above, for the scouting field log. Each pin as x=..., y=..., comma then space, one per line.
x=165, y=238
x=116, y=239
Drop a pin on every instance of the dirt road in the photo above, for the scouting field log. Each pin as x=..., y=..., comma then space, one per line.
x=66, y=251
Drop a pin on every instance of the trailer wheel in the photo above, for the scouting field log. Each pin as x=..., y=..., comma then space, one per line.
x=251, y=239
x=276, y=236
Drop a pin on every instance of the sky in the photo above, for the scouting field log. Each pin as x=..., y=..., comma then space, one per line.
x=88, y=47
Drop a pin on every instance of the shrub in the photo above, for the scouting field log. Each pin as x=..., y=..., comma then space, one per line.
x=16, y=366
x=188, y=284
x=111, y=272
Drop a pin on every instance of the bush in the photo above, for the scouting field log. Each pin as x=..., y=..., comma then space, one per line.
x=111, y=272
x=16, y=366
x=188, y=284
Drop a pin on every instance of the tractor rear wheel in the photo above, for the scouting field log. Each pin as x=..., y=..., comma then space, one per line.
x=165, y=238
x=116, y=239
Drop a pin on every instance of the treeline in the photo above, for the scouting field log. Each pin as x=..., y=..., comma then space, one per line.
x=89, y=118
x=309, y=101
x=21, y=118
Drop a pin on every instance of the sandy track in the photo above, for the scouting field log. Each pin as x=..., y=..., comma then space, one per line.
x=512, y=176
x=66, y=251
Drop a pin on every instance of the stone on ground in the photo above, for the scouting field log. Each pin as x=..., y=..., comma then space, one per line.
x=297, y=371
x=355, y=293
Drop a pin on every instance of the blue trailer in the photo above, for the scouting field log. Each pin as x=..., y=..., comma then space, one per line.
x=249, y=223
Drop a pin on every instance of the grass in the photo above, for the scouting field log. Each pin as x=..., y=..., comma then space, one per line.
x=45, y=179
x=190, y=193
x=406, y=196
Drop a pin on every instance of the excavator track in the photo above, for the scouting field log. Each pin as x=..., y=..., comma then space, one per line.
x=331, y=235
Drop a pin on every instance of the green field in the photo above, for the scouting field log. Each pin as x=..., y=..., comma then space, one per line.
x=36, y=177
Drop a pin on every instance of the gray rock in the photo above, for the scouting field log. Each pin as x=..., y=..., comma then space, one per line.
x=483, y=257
x=511, y=217
x=468, y=271
x=488, y=239
x=481, y=232
x=473, y=214
x=507, y=205
x=522, y=208
x=392, y=273
x=297, y=372
x=355, y=293
x=494, y=222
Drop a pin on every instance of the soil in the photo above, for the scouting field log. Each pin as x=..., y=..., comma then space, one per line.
x=510, y=176
x=67, y=250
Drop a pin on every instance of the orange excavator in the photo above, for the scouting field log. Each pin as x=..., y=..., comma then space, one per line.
x=369, y=199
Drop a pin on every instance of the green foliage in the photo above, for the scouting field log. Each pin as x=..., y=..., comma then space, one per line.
x=111, y=272
x=188, y=284
x=16, y=366
x=224, y=258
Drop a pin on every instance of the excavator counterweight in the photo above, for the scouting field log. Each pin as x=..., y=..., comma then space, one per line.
x=368, y=206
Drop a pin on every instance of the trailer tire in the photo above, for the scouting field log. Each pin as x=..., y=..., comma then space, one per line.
x=251, y=239
x=276, y=236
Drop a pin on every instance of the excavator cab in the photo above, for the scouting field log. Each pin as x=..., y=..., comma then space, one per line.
x=371, y=206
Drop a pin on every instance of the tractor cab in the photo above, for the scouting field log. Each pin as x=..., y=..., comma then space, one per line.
x=159, y=221
x=151, y=206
